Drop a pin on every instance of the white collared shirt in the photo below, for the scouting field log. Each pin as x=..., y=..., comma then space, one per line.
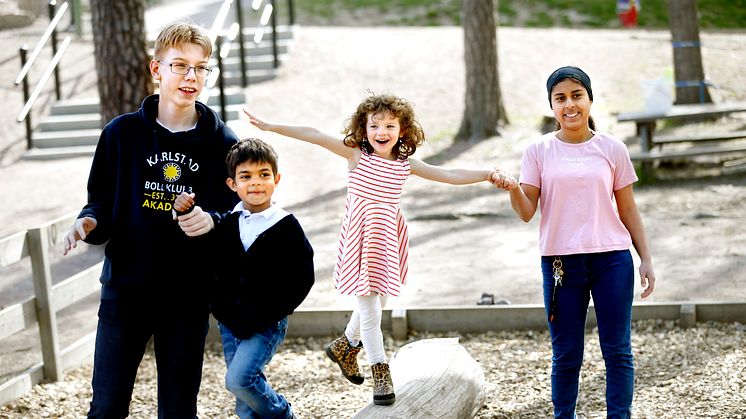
x=250, y=226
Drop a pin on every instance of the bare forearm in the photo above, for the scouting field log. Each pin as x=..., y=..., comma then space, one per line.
x=466, y=176
x=307, y=134
x=633, y=222
x=522, y=204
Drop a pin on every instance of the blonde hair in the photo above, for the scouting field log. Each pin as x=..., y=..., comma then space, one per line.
x=412, y=134
x=178, y=34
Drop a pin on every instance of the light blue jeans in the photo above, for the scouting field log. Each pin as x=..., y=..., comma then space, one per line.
x=246, y=359
x=609, y=278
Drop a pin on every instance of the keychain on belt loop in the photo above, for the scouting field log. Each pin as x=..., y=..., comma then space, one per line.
x=557, y=274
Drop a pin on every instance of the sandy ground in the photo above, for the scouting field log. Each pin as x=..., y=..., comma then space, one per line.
x=465, y=240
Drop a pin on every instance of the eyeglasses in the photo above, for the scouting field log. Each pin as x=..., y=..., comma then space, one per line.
x=183, y=69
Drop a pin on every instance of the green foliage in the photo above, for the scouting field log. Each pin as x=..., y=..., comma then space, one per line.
x=714, y=14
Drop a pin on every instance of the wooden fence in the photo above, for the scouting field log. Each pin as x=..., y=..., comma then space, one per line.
x=42, y=308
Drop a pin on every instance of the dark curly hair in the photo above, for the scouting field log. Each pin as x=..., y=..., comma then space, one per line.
x=413, y=136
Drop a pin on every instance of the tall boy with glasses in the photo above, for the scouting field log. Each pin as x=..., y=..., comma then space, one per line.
x=144, y=160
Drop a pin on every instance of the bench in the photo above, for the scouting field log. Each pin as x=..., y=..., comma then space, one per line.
x=693, y=138
x=646, y=123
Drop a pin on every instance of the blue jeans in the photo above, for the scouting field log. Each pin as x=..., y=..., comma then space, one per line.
x=126, y=323
x=246, y=359
x=609, y=278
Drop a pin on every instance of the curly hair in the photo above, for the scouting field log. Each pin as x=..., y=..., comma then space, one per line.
x=413, y=136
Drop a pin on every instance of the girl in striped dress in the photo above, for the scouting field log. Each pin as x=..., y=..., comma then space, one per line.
x=380, y=138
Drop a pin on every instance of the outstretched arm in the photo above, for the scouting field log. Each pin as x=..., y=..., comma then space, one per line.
x=627, y=208
x=452, y=176
x=307, y=134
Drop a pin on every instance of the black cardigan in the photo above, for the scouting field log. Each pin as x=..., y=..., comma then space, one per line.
x=256, y=288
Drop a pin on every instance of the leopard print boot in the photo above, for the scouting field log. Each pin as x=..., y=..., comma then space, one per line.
x=383, y=387
x=345, y=355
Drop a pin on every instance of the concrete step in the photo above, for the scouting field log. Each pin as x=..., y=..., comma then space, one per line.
x=71, y=138
x=69, y=122
x=252, y=50
x=76, y=106
x=89, y=137
x=86, y=107
x=54, y=153
x=284, y=32
x=233, y=95
x=233, y=78
x=233, y=112
x=259, y=62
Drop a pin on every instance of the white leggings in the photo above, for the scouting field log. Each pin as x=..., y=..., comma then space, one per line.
x=365, y=325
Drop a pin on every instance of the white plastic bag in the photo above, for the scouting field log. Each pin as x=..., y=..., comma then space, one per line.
x=658, y=95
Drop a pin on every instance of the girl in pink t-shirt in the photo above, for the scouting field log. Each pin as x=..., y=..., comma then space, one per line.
x=583, y=180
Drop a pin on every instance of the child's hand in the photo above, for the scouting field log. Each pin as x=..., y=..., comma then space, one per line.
x=262, y=125
x=196, y=223
x=182, y=204
x=503, y=180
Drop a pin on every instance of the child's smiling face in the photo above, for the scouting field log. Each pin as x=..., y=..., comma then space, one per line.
x=383, y=130
x=254, y=183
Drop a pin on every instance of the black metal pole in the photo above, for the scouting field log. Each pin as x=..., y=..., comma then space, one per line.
x=291, y=13
x=241, y=50
x=274, y=33
x=223, y=112
x=52, y=11
x=23, y=51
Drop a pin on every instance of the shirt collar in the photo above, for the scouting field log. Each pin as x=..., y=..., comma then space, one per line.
x=267, y=213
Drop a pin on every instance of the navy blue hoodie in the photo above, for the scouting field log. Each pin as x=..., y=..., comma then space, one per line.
x=138, y=170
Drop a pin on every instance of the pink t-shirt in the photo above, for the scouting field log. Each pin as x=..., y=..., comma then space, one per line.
x=577, y=183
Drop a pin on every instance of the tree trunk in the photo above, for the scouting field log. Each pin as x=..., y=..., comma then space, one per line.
x=687, y=57
x=121, y=55
x=483, y=108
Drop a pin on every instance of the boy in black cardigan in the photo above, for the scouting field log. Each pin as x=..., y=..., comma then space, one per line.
x=263, y=270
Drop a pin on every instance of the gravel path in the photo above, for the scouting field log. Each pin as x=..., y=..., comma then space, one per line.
x=693, y=373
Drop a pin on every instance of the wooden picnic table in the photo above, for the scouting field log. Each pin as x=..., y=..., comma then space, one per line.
x=646, y=123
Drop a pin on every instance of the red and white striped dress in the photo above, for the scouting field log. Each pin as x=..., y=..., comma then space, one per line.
x=374, y=244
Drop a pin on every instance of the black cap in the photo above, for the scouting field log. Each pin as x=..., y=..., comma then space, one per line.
x=568, y=72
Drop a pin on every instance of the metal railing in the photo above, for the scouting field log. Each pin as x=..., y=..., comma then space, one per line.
x=221, y=51
x=55, y=15
x=217, y=36
x=222, y=41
